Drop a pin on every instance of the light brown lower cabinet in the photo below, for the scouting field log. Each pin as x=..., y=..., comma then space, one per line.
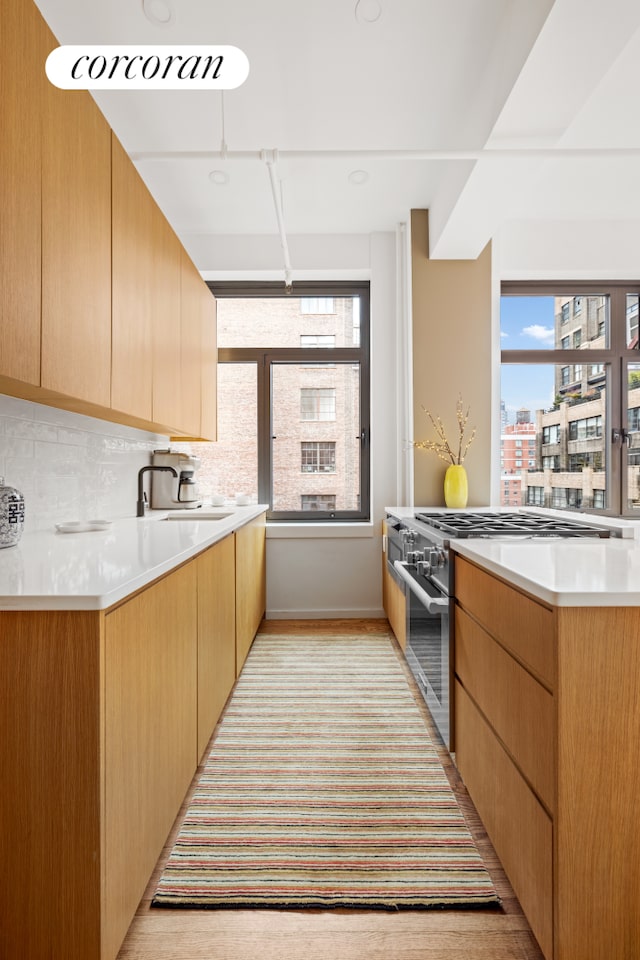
x=103, y=718
x=216, y=634
x=250, y=585
x=547, y=727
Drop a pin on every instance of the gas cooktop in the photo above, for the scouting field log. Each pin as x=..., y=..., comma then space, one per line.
x=488, y=524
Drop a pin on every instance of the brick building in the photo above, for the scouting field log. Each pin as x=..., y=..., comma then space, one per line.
x=314, y=405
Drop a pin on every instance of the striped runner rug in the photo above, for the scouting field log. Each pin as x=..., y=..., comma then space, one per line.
x=323, y=789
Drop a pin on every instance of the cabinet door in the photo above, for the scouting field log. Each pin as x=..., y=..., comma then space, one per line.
x=150, y=735
x=76, y=247
x=519, y=828
x=132, y=287
x=209, y=365
x=216, y=634
x=166, y=330
x=250, y=585
x=25, y=42
x=191, y=343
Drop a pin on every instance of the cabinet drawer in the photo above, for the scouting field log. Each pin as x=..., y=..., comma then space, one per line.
x=519, y=623
x=518, y=708
x=518, y=826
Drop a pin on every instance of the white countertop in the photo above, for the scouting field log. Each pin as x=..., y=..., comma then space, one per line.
x=47, y=570
x=584, y=572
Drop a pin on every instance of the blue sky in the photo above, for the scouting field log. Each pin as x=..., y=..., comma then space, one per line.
x=527, y=323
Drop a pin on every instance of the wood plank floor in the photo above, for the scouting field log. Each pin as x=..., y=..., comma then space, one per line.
x=496, y=934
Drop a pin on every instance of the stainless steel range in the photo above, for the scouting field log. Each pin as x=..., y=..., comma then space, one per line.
x=418, y=559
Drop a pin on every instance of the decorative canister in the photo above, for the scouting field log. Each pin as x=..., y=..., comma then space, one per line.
x=11, y=515
x=456, y=488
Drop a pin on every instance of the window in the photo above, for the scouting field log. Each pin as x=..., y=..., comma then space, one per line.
x=587, y=429
x=578, y=461
x=317, y=340
x=584, y=412
x=535, y=496
x=310, y=501
x=318, y=403
x=317, y=456
x=316, y=305
x=299, y=364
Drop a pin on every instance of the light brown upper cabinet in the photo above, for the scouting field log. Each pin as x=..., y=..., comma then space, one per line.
x=199, y=354
x=25, y=42
x=133, y=222
x=191, y=335
x=209, y=366
x=166, y=334
x=76, y=247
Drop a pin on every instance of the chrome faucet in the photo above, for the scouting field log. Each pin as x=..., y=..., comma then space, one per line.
x=142, y=497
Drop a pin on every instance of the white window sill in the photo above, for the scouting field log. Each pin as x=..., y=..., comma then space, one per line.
x=319, y=531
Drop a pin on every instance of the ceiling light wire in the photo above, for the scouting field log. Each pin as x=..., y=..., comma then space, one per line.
x=271, y=160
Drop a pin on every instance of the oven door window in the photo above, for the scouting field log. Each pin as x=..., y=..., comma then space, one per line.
x=428, y=656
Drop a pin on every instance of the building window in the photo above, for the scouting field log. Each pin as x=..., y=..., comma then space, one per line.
x=577, y=339
x=566, y=307
x=564, y=343
x=588, y=429
x=577, y=306
x=306, y=398
x=317, y=340
x=317, y=501
x=578, y=461
x=317, y=456
x=564, y=376
x=535, y=496
x=317, y=305
x=318, y=403
x=551, y=434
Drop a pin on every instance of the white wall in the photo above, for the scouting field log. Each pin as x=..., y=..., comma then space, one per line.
x=70, y=467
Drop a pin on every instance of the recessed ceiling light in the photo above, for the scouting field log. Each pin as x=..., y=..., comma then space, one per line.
x=368, y=11
x=358, y=177
x=219, y=177
x=158, y=12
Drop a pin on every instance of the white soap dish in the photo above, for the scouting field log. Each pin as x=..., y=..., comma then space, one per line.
x=82, y=526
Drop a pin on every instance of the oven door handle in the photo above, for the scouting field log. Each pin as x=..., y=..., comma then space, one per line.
x=431, y=604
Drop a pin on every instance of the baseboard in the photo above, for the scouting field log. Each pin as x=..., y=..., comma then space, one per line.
x=364, y=614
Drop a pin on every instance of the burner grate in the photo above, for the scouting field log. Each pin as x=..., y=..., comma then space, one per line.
x=486, y=524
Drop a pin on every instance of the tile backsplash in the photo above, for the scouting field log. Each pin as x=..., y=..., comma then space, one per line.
x=68, y=466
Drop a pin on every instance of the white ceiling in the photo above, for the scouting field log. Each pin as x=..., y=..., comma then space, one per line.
x=490, y=112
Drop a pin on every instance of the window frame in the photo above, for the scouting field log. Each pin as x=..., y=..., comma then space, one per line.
x=267, y=357
x=615, y=356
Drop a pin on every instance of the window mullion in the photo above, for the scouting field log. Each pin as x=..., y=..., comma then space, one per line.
x=264, y=430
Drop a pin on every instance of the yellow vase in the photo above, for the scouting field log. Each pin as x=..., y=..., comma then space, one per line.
x=456, y=490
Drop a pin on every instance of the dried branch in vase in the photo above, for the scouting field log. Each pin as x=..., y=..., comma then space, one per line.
x=441, y=445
